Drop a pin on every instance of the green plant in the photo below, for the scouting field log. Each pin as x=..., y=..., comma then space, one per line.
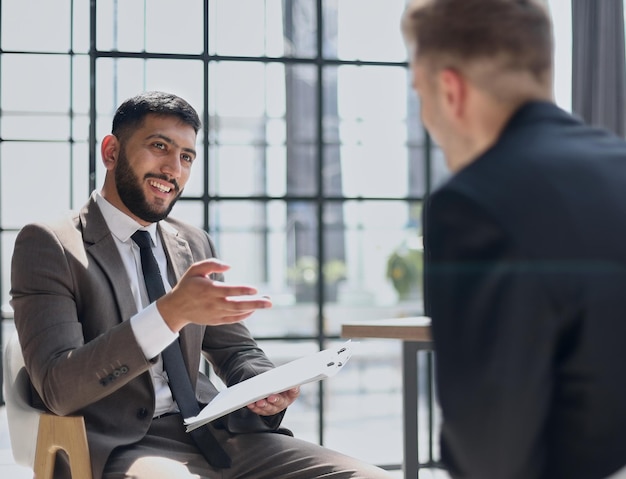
x=405, y=269
x=334, y=271
x=306, y=271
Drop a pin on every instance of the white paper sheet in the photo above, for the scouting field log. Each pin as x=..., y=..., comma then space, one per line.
x=314, y=367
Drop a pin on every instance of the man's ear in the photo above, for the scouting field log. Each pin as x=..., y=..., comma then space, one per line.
x=454, y=89
x=109, y=150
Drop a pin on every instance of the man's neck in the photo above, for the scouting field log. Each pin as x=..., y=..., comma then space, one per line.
x=486, y=126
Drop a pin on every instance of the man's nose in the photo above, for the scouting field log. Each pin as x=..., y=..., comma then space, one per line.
x=171, y=164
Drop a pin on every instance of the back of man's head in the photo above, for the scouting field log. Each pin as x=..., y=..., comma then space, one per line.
x=490, y=41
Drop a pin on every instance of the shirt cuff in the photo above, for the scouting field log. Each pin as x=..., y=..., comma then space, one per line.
x=151, y=331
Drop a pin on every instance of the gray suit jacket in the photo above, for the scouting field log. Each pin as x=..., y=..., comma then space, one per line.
x=71, y=297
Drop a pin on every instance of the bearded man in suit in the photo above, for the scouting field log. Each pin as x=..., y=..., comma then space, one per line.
x=525, y=256
x=94, y=340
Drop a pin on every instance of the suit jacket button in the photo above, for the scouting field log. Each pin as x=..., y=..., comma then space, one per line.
x=142, y=413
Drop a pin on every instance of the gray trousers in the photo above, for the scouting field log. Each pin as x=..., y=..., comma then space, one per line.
x=168, y=452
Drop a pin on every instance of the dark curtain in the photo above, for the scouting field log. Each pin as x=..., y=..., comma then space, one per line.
x=598, y=70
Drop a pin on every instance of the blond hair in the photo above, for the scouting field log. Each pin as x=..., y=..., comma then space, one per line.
x=505, y=47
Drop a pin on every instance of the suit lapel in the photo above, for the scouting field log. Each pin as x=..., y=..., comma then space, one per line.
x=177, y=250
x=100, y=244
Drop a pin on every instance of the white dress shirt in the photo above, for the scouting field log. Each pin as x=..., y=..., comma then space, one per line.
x=151, y=331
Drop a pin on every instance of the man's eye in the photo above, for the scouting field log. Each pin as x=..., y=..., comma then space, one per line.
x=187, y=158
x=160, y=146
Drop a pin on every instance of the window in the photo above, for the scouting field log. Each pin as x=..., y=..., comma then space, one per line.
x=311, y=172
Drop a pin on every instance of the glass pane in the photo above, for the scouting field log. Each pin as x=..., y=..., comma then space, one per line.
x=271, y=246
x=80, y=128
x=302, y=169
x=368, y=136
x=29, y=171
x=301, y=100
x=366, y=396
x=417, y=149
x=382, y=261
x=561, y=13
x=349, y=27
x=247, y=171
x=355, y=92
x=238, y=171
x=81, y=27
x=271, y=28
x=239, y=230
x=80, y=175
x=237, y=89
x=246, y=111
x=174, y=28
x=276, y=179
x=241, y=91
x=24, y=87
x=154, y=26
x=302, y=131
x=47, y=30
x=35, y=127
x=276, y=90
x=285, y=319
x=302, y=251
x=300, y=28
x=7, y=240
x=80, y=84
x=373, y=170
x=232, y=130
x=235, y=33
x=121, y=25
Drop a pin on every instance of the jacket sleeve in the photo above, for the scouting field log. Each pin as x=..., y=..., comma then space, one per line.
x=492, y=338
x=72, y=356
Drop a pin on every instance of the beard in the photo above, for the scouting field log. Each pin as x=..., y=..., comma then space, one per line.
x=132, y=195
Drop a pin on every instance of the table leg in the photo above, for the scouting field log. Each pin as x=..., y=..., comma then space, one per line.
x=1, y=363
x=410, y=406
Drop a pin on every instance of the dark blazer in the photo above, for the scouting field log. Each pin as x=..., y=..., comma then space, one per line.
x=526, y=285
x=71, y=297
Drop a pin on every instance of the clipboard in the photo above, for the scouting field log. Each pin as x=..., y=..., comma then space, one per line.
x=315, y=367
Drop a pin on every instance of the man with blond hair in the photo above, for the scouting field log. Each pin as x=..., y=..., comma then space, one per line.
x=525, y=250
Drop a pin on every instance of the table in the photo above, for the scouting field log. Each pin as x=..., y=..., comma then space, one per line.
x=415, y=334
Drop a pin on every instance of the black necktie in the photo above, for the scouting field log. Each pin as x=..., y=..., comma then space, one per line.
x=173, y=362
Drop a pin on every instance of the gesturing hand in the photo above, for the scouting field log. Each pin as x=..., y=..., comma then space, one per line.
x=198, y=299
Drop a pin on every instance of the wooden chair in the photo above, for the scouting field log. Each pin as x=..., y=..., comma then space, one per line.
x=37, y=436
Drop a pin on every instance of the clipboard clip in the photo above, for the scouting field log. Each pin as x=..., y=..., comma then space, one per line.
x=342, y=355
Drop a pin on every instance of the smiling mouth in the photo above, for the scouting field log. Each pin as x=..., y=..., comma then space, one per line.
x=160, y=186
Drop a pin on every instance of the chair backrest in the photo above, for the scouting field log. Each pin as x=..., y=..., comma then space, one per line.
x=23, y=420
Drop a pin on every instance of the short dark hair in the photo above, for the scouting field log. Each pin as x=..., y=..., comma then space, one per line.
x=453, y=33
x=131, y=114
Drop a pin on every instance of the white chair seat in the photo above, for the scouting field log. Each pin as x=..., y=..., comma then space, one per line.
x=23, y=419
x=37, y=436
